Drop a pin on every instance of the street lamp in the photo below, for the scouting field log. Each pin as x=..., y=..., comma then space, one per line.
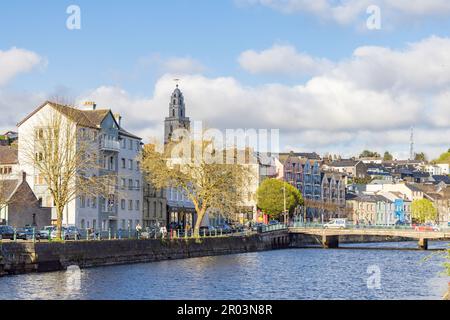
x=284, y=198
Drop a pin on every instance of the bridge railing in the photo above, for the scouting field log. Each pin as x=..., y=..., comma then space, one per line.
x=271, y=228
x=358, y=226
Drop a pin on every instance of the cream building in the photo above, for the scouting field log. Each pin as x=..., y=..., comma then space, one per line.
x=118, y=152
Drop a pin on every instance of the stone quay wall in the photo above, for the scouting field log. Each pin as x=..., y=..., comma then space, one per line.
x=24, y=257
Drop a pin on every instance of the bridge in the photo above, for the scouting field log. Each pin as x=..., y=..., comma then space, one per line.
x=329, y=238
x=298, y=235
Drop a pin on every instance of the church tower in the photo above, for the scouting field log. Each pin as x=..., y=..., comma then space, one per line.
x=177, y=116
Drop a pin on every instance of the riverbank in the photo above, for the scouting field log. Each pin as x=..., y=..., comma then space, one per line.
x=27, y=257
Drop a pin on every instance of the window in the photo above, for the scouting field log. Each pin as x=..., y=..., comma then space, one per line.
x=130, y=205
x=39, y=156
x=123, y=204
x=39, y=180
x=130, y=164
x=130, y=184
x=138, y=184
x=82, y=223
x=124, y=164
x=123, y=143
x=39, y=134
x=138, y=205
x=94, y=202
x=83, y=201
x=123, y=224
x=130, y=144
x=138, y=165
x=94, y=224
x=124, y=183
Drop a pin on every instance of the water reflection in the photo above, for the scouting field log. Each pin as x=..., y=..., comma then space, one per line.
x=283, y=274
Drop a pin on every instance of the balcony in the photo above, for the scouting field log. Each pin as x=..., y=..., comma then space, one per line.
x=110, y=145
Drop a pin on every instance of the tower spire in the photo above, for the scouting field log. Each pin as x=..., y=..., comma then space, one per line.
x=411, y=145
x=177, y=115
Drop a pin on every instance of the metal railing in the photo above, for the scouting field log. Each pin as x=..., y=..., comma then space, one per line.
x=271, y=228
x=128, y=234
x=358, y=226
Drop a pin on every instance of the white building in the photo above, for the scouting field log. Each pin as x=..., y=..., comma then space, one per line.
x=437, y=169
x=118, y=150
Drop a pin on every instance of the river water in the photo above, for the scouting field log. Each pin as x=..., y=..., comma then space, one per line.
x=346, y=273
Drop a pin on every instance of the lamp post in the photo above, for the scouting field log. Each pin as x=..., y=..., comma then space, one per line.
x=284, y=197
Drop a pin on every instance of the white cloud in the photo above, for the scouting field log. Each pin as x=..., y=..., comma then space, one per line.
x=175, y=65
x=282, y=59
x=347, y=12
x=369, y=100
x=15, y=61
x=183, y=65
x=15, y=106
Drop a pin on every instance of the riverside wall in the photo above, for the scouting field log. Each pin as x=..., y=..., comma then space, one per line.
x=25, y=257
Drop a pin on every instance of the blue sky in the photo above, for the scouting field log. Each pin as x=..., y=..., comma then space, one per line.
x=126, y=45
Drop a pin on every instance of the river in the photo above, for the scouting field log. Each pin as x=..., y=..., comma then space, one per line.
x=346, y=273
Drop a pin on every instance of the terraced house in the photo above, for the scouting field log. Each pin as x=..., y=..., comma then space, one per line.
x=323, y=192
x=117, y=151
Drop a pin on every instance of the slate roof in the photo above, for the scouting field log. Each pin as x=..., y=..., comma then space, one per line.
x=8, y=155
x=441, y=178
x=343, y=163
x=85, y=118
x=7, y=188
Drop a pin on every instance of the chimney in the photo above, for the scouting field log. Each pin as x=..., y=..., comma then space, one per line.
x=24, y=176
x=89, y=105
x=118, y=118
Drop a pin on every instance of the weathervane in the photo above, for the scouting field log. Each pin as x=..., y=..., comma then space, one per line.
x=176, y=81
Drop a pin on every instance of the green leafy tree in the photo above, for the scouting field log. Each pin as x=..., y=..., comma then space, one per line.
x=388, y=156
x=270, y=195
x=369, y=154
x=423, y=210
x=365, y=180
x=420, y=156
x=443, y=158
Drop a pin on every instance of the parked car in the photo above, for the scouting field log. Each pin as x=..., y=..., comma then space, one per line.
x=27, y=233
x=224, y=229
x=45, y=232
x=207, y=230
x=336, y=224
x=426, y=227
x=258, y=227
x=6, y=232
x=273, y=222
x=70, y=233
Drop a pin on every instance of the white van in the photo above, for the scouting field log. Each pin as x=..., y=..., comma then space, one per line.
x=336, y=224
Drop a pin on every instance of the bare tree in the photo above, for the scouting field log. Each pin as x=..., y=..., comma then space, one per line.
x=65, y=155
x=210, y=185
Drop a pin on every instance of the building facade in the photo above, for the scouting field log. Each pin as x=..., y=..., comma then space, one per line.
x=118, y=153
x=323, y=192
